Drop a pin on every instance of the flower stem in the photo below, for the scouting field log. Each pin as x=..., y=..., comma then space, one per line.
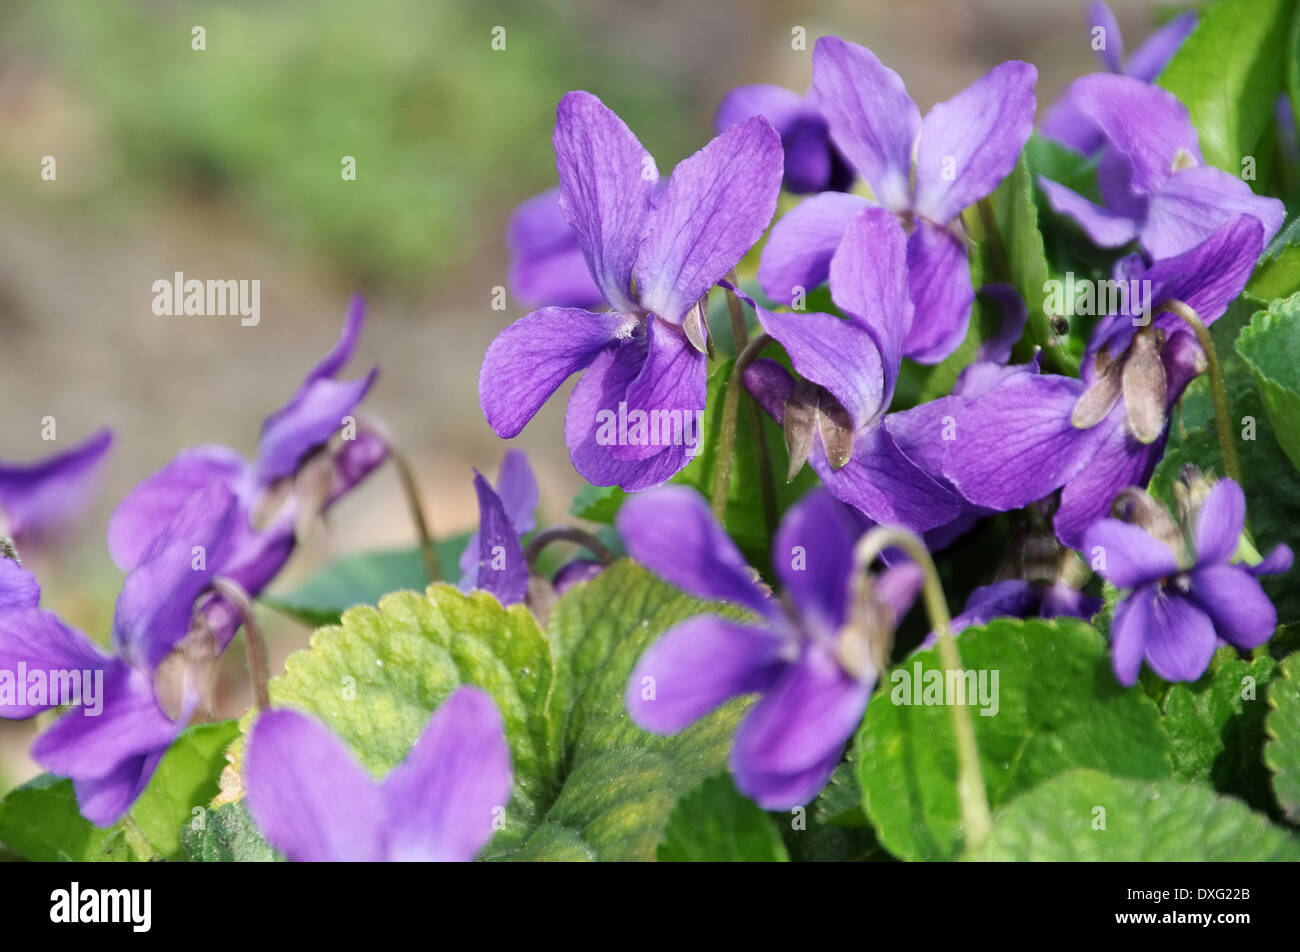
x=412, y=491
x=566, y=534
x=970, y=776
x=727, y=435
x=1218, y=391
x=766, y=481
x=234, y=593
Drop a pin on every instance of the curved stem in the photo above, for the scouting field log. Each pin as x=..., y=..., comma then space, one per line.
x=727, y=436
x=412, y=491
x=970, y=776
x=234, y=593
x=566, y=534
x=1218, y=391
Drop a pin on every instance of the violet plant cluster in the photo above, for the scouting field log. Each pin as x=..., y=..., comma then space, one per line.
x=874, y=277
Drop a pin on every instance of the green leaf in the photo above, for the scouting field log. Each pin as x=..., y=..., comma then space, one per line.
x=1271, y=483
x=1216, y=725
x=1270, y=346
x=597, y=503
x=187, y=777
x=1282, y=752
x=715, y=824
x=1277, y=275
x=363, y=579
x=39, y=821
x=1061, y=820
x=1229, y=73
x=226, y=835
x=588, y=783
x=1058, y=707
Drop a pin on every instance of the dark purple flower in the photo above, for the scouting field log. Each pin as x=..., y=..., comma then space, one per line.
x=654, y=254
x=924, y=171
x=117, y=730
x=38, y=500
x=310, y=454
x=814, y=674
x=1024, y=435
x=835, y=416
x=1179, y=604
x=493, y=558
x=315, y=803
x=1017, y=598
x=547, y=265
x=1064, y=122
x=812, y=163
x=1153, y=179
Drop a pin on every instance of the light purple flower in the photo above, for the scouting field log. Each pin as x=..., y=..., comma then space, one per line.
x=547, y=265
x=1024, y=435
x=111, y=744
x=925, y=171
x=1179, y=605
x=1063, y=120
x=493, y=558
x=39, y=500
x=853, y=366
x=674, y=244
x=310, y=454
x=813, y=678
x=812, y=163
x=315, y=803
x=1153, y=179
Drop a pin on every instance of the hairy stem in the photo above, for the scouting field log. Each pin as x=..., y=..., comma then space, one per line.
x=566, y=534
x=412, y=492
x=258, y=672
x=976, y=817
x=1218, y=392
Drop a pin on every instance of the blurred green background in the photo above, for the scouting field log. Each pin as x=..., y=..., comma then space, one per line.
x=225, y=163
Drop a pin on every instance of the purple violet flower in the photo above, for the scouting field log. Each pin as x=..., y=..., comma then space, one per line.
x=1063, y=120
x=1153, y=179
x=812, y=163
x=315, y=803
x=1017, y=598
x=310, y=454
x=493, y=558
x=1022, y=435
x=547, y=266
x=813, y=674
x=39, y=500
x=1179, y=604
x=963, y=148
x=117, y=730
x=644, y=359
x=835, y=416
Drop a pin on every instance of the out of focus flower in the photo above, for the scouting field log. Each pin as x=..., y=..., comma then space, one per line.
x=493, y=559
x=546, y=263
x=812, y=163
x=38, y=500
x=315, y=803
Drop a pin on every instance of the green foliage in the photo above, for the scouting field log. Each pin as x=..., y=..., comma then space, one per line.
x=226, y=835
x=714, y=823
x=1270, y=346
x=1282, y=752
x=1058, y=707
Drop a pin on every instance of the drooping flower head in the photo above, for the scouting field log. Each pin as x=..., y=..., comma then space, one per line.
x=654, y=253
x=493, y=558
x=925, y=171
x=1063, y=121
x=315, y=803
x=834, y=416
x=39, y=500
x=310, y=454
x=1154, y=181
x=110, y=743
x=812, y=163
x=1186, y=593
x=1030, y=434
x=546, y=264
x=808, y=656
